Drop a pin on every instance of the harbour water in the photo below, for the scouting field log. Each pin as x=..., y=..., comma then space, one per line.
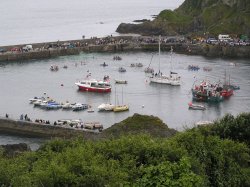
x=21, y=81
x=29, y=21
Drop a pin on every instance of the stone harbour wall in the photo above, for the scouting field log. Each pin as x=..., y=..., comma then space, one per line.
x=26, y=128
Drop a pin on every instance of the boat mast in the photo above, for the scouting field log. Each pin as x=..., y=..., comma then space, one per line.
x=122, y=95
x=159, y=52
x=115, y=95
x=171, y=53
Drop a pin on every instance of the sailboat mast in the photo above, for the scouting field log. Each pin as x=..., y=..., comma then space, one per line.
x=115, y=95
x=171, y=56
x=159, y=52
x=122, y=95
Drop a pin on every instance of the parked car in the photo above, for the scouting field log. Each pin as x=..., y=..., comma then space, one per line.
x=3, y=50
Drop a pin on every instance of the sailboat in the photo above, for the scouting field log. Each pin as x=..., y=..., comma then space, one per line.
x=120, y=108
x=159, y=77
x=107, y=106
x=226, y=91
x=173, y=79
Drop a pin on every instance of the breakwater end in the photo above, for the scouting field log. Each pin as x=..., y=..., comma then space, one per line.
x=118, y=44
x=26, y=128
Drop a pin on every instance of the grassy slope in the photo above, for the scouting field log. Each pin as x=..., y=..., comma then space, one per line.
x=139, y=124
x=215, y=18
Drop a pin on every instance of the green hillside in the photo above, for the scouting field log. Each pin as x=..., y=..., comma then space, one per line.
x=213, y=155
x=199, y=16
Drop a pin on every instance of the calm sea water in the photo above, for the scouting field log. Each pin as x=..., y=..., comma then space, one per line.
x=21, y=81
x=30, y=21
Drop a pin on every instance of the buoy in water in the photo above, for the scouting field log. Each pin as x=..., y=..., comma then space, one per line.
x=142, y=106
x=61, y=84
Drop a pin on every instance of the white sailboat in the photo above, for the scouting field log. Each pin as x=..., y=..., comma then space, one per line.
x=107, y=106
x=160, y=78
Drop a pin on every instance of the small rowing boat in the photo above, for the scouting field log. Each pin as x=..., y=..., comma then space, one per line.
x=196, y=107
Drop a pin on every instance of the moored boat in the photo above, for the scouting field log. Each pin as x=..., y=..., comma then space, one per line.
x=32, y=100
x=120, y=108
x=54, y=68
x=173, y=79
x=67, y=105
x=149, y=70
x=104, y=64
x=139, y=65
x=80, y=106
x=196, y=106
x=51, y=106
x=90, y=109
x=207, y=68
x=226, y=91
x=207, y=92
x=106, y=107
x=120, y=81
x=234, y=87
x=92, y=85
x=193, y=67
x=122, y=69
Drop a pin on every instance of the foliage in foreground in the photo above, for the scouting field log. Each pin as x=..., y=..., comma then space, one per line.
x=191, y=158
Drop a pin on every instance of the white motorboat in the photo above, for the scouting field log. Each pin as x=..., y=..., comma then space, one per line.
x=80, y=106
x=32, y=100
x=38, y=102
x=67, y=105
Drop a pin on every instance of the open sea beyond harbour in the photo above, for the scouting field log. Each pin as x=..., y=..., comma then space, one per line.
x=30, y=21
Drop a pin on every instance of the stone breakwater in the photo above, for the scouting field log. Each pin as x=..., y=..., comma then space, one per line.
x=26, y=128
x=119, y=44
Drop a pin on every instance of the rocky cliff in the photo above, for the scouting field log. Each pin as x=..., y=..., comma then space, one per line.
x=199, y=16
